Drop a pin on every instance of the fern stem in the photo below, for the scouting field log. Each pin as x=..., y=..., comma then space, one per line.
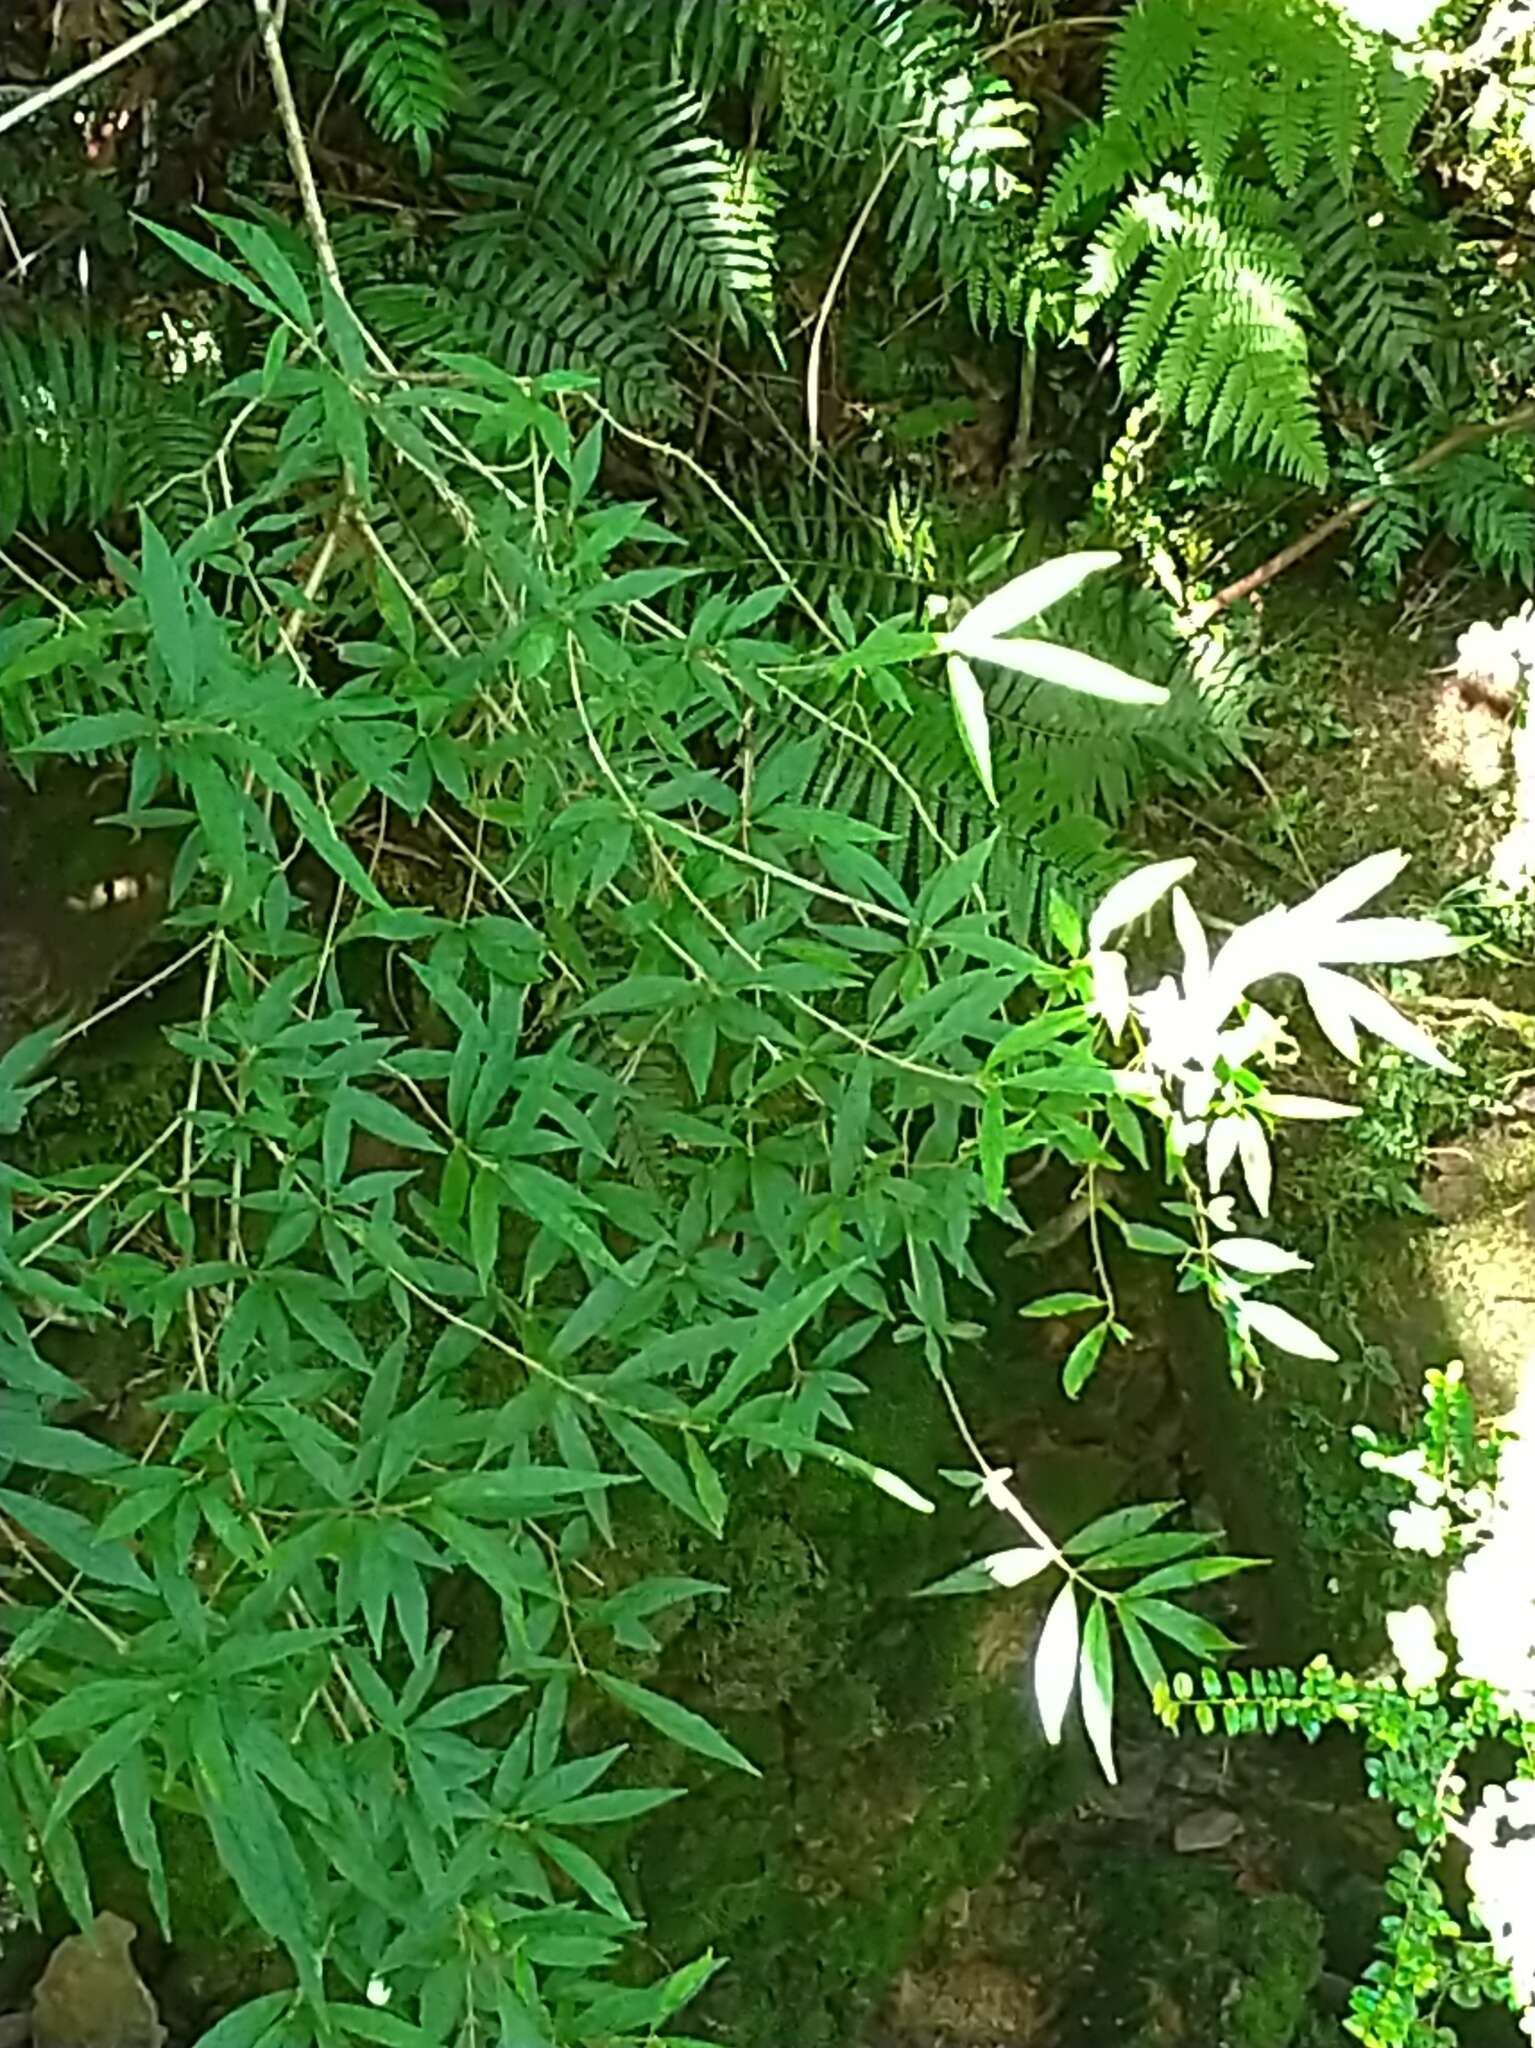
x=1047, y=31
x=1468, y=435
x=63, y=88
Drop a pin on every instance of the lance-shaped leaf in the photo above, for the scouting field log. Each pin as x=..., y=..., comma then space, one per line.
x=1068, y=668
x=1286, y=1332
x=1025, y=597
x=970, y=716
x=1132, y=898
x=1055, y=1663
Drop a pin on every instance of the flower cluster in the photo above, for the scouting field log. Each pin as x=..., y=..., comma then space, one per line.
x=1501, y=1874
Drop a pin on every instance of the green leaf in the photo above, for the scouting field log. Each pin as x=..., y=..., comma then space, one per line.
x=993, y=1149
x=655, y=1464
x=969, y=702
x=56, y=1450
x=601, y=1809
x=583, y=1870
x=782, y=1436
x=1082, y=1360
x=131, y=1796
x=93, y=732
x=1070, y=1302
x=585, y=463
x=170, y=622
x=76, y=1541
x=1116, y=1526
x=1143, y=1651
x=1097, y=1683
x=710, y=1488
x=485, y=1224
x=772, y=1331
x=251, y=2023
x=264, y=256
x=1157, y=1548
x=552, y=1202
x=60, y=1850
x=15, y=1857
x=677, y=1722
x=1201, y=1638
x=214, y=266
x=1162, y=1244
x=100, y=1759
x=1193, y=1571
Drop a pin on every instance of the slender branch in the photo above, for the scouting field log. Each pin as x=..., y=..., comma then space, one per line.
x=269, y=25
x=64, y=88
x=1467, y=435
x=813, y=365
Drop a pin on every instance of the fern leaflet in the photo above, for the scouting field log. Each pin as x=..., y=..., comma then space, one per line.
x=399, y=51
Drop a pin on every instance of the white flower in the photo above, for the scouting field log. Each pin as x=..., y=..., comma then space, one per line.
x=1420, y=1528
x=1416, y=1647
x=1501, y=1874
x=379, y=1992
x=1491, y=1609
x=1500, y=654
x=1411, y=1467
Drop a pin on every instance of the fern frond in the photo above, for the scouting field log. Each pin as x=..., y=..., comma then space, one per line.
x=1485, y=499
x=1344, y=89
x=1150, y=56
x=1403, y=91
x=399, y=51
x=1395, y=526
x=1222, y=303
x=1255, y=96
x=1381, y=289
x=91, y=425
x=560, y=108
x=868, y=80
x=1223, y=93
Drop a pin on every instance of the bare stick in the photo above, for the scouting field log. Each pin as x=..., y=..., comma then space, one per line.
x=1464, y=436
x=63, y=88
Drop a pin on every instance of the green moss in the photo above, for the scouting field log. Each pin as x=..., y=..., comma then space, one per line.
x=1177, y=1955
x=105, y=1112
x=894, y=1770
x=1279, y=1950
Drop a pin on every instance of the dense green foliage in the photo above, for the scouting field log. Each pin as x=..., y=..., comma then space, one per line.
x=514, y=557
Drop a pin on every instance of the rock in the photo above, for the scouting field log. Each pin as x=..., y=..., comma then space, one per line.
x=15, y=2029
x=91, y=1996
x=1212, y=1827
